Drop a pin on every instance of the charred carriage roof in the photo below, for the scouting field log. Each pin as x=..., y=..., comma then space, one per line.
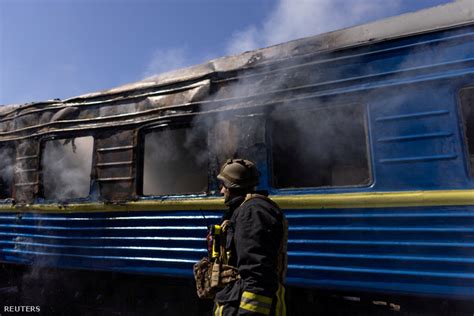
x=187, y=91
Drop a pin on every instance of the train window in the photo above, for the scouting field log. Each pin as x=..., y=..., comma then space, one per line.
x=226, y=140
x=319, y=148
x=467, y=105
x=7, y=156
x=175, y=162
x=66, y=167
x=237, y=137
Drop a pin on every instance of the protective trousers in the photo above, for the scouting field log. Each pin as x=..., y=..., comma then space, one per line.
x=254, y=304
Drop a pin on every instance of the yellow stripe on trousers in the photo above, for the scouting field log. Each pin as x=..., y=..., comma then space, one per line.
x=280, y=308
x=218, y=311
x=256, y=303
x=255, y=308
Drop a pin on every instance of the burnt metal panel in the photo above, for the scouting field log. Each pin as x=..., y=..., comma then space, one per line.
x=114, y=166
x=26, y=171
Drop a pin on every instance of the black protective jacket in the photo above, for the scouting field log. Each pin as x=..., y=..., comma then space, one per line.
x=256, y=245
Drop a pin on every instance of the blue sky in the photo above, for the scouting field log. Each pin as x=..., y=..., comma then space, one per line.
x=63, y=48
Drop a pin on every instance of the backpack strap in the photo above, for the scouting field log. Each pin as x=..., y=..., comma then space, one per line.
x=223, y=257
x=251, y=196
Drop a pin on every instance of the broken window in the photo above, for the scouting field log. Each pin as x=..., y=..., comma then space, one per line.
x=467, y=107
x=66, y=165
x=236, y=136
x=240, y=137
x=175, y=162
x=225, y=141
x=319, y=147
x=7, y=163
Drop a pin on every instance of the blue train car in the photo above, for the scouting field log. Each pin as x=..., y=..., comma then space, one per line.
x=364, y=136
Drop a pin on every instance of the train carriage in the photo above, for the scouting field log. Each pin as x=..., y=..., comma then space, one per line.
x=364, y=136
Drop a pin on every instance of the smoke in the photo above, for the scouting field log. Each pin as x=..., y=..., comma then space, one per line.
x=6, y=171
x=332, y=150
x=166, y=60
x=292, y=19
x=326, y=148
x=173, y=162
x=168, y=162
x=329, y=143
x=180, y=159
x=66, y=166
x=174, y=156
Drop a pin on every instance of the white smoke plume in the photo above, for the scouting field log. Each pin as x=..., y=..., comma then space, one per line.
x=166, y=60
x=6, y=171
x=67, y=167
x=292, y=19
x=173, y=162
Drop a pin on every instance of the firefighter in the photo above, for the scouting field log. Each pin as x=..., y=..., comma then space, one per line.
x=256, y=241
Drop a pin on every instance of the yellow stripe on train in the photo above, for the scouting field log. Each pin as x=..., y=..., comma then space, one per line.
x=305, y=201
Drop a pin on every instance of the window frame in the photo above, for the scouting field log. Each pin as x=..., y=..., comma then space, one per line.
x=259, y=155
x=308, y=105
x=463, y=126
x=92, y=183
x=140, y=163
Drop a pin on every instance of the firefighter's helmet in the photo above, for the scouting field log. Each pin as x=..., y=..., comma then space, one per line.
x=238, y=174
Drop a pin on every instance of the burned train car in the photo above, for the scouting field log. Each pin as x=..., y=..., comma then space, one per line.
x=364, y=136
